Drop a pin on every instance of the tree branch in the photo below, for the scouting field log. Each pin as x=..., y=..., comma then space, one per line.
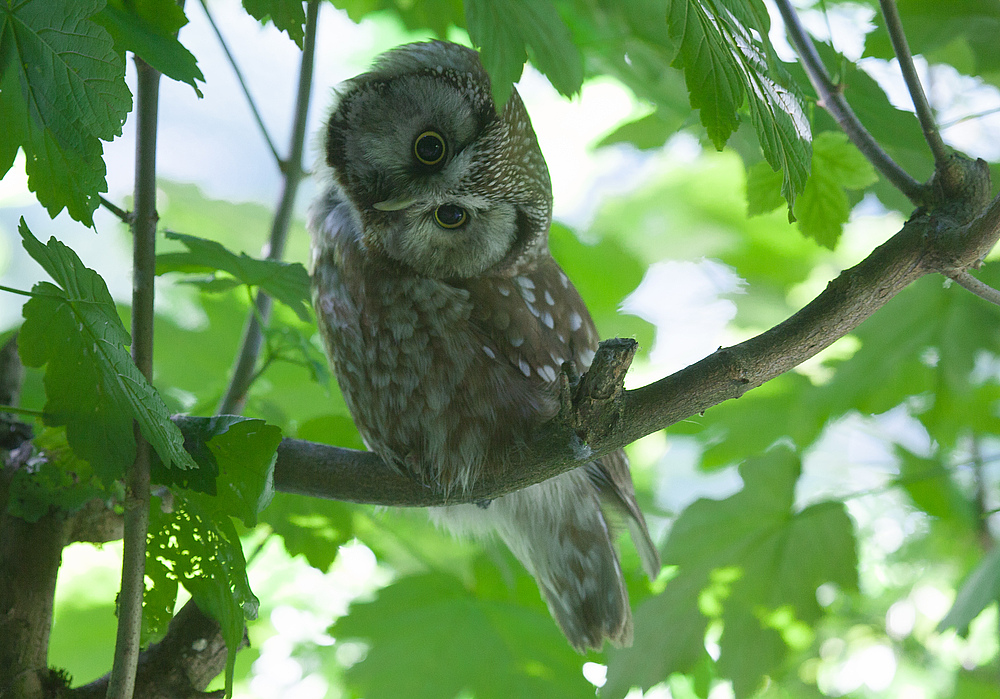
x=831, y=98
x=243, y=372
x=137, y=478
x=178, y=667
x=980, y=289
x=945, y=240
x=243, y=84
x=894, y=26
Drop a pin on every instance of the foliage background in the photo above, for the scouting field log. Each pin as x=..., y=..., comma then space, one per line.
x=774, y=577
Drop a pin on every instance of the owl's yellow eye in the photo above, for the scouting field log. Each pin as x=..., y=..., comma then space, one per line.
x=429, y=148
x=450, y=216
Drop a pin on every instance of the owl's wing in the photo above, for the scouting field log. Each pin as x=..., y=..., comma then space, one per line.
x=536, y=321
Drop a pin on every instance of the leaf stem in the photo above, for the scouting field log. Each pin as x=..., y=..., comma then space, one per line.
x=243, y=84
x=832, y=99
x=26, y=412
x=979, y=288
x=123, y=215
x=19, y=292
x=122, y=681
x=894, y=26
x=243, y=372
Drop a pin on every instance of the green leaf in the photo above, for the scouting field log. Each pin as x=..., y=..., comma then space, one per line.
x=758, y=564
x=60, y=482
x=980, y=589
x=655, y=655
x=763, y=189
x=823, y=208
x=202, y=551
x=780, y=408
x=932, y=487
x=496, y=648
x=924, y=342
x=73, y=96
x=235, y=456
x=714, y=81
x=286, y=282
x=91, y=383
x=287, y=15
x=59, y=177
x=148, y=28
x=506, y=31
x=727, y=60
x=313, y=527
x=603, y=293
x=651, y=131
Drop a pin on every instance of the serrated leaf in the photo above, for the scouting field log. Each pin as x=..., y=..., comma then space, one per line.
x=714, y=81
x=201, y=551
x=235, y=457
x=755, y=555
x=148, y=28
x=286, y=282
x=287, y=15
x=59, y=177
x=505, y=31
x=91, y=383
x=823, y=208
x=73, y=96
x=727, y=60
x=496, y=649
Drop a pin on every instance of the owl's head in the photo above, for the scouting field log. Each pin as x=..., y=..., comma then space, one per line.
x=440, y=180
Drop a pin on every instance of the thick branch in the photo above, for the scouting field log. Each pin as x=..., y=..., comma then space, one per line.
x=832, y=99
x=940, y=242
x=179, y=666
x=243, y=372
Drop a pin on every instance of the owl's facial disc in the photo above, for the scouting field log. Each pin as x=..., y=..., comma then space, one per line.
x=438, y=179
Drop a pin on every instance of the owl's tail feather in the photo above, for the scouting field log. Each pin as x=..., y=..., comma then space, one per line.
x=558, y=531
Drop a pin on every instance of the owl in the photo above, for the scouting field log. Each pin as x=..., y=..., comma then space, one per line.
x=447, y=321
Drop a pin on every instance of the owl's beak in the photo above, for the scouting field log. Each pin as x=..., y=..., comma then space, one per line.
x=394, y=204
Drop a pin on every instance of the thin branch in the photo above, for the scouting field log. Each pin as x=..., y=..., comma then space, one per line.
x=243, y=372
x=976, y=286
x=137, y=478
x=832, y=99
x=243, y=84
x=123, y=215
x=968, y=117
x=924, y=243
x=923, y=108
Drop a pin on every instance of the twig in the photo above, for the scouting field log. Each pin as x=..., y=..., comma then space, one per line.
x=243, y=373
x=976, y=286
x=243, y=84
x=899, y=44
x=832, y=99
x=137, y=477
x=123, y=215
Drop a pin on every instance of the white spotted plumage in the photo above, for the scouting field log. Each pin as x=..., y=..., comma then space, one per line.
x=448, y=322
